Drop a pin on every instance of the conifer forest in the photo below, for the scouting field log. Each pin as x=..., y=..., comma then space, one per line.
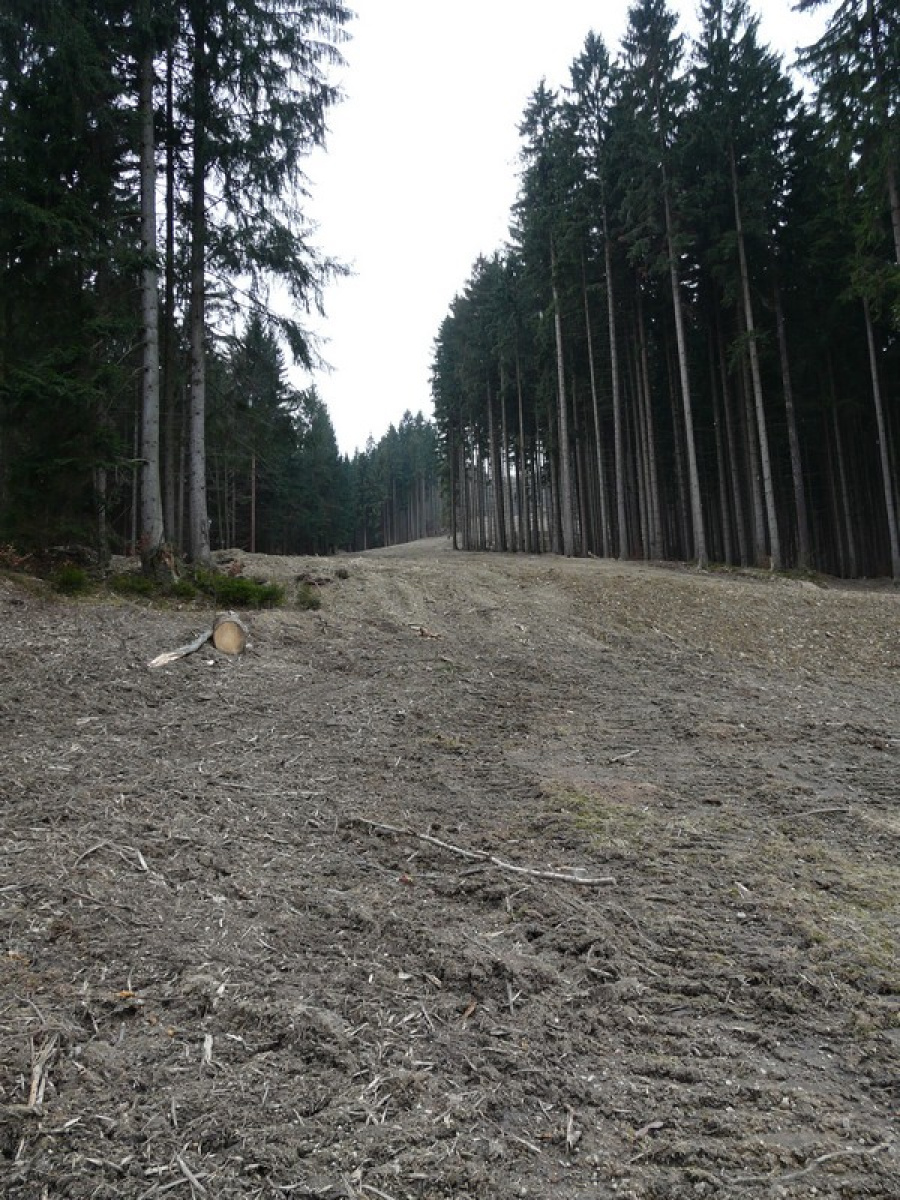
x=687, y=349
x=152, y=213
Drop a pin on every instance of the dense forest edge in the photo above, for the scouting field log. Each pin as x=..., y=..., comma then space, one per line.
x=687, y=349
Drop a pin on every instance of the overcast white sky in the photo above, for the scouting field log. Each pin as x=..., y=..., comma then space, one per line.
x=420, y=173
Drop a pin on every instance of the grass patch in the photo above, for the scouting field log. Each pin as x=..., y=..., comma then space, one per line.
x=182, y=589
x=308, y=597
x=133, y=583
x=70, y=580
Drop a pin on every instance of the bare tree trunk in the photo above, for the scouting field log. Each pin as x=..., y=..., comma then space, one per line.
x=693, y=473
x=847, y=516
x=883, y=450
x=508, y=499
x=616, y=383
x=463, y=476
x=565, y=476
x=755, y=471
x=171, y=474
x=598, y=438
x=151, y=536
x=734, y=471
x=803, y=550
x=524, y=512
x=721, y=466
x=656, y=538
x=498, y=486
x=682, y=503
x=135, y=480
x=894, y=198
x=198, y=538
x=253, y=502
x=768, y=484
x=101, y=493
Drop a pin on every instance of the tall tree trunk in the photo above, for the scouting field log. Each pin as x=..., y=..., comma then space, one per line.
x=460, y=502
x=598, y=437
x=846, y=513
x=101, y=492
x=680, y=520
x=524, y=513
x=197, y=509
x=803, y=551
x=553, y=513
x=151, y=536
x=756, y=376
x=498, y=487
x=508, y=498
x=754, y=469
x=579, y=498
x=656, y=535
x=693, y=473
x=135, y=481
x=253, y=502
x=894, y=199
x=565, y=475
x=171, y=474
x=883, y=449
x=734, y=464
x=639, y=441
x=721, y=466
x=616, y=383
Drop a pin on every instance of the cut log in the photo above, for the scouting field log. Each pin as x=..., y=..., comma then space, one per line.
x=229, y=633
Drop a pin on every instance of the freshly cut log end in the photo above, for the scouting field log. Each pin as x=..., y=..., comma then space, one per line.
x=229, y=633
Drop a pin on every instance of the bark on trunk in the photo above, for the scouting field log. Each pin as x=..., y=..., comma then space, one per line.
x=693, y=473
x=884, y=455
x=598, y=437
x=151, y=535
x=197, y=507
x=615, y=381
x=171, y=473
x=803, y=547
x=756, y=377
x=565, y=476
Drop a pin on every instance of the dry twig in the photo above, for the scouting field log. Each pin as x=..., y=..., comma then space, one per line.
x=484, y=856
x=40, y=1069
x=850, y=1152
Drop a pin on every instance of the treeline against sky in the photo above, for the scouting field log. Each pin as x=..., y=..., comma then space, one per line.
x=152, y=193
x=689, y=347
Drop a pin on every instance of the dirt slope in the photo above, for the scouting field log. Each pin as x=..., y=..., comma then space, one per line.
x=222, y=975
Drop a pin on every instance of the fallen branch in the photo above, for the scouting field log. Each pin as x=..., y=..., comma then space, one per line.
x=228, y=633
x=484, y=856
x=834, y=809
x=849, y=1152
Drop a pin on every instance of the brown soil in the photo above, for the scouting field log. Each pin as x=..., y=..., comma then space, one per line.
x=633, y=932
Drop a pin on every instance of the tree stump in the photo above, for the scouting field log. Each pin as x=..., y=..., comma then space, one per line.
x=229, y=633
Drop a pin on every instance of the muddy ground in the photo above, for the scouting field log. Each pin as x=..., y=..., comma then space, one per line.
x=495, y=877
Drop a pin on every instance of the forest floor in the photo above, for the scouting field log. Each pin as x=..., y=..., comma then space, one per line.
x=496, y=877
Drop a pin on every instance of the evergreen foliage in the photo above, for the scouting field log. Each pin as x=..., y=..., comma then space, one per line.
x=689, y=348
